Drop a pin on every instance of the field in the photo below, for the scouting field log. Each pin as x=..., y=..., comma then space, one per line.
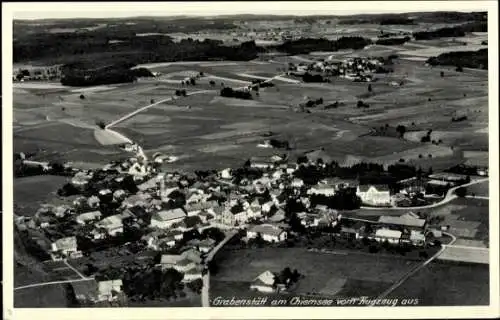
x=341, y=274
x=447, y=284
x=208, y=131
x=51, y=296
x=31, y=192
x=479, y=189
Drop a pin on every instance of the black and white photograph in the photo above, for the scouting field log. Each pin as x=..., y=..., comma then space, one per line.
x=250, y=154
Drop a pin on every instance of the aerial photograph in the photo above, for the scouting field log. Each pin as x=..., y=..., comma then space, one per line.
x=251, y=160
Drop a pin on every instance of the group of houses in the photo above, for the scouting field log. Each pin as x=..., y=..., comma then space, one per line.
x=354, y=69
x=408, y=228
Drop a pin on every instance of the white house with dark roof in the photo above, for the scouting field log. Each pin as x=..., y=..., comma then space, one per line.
x=269, y=233
x=166, y=218
x=265, y=282
x=377, y=195
x=65, y=248
x=391, y=236
x=88, y=217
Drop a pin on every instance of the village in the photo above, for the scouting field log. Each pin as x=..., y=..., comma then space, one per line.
x=182, y=219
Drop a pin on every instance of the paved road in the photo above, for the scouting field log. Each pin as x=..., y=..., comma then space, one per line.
x=34, y=285
x=417, y=268
x=450, y=196
x=205, y=297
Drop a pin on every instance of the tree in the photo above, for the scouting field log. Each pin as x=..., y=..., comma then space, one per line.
x=82, y=97
x=193, y=82
x=459, y=69
x=360, y=104
x=461, y=192
x=101, y=124
x=212, y=83
x=369, y=88
x=152, y=101
x=442, y=74
x=401, y=130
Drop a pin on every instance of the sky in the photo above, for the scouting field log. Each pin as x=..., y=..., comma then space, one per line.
x=47, y=10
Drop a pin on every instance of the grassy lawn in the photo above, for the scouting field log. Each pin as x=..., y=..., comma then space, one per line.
x=447, y=284
x=479, y=189
x=30, y=192
x=51, y=296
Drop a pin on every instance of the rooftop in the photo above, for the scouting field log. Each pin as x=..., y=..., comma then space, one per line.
x=404, y=220
x=168, y=215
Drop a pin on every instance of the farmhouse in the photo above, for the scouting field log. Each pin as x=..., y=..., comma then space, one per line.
x=234, y=216
x=88, y=217
x=391, y=236
x=196, y=208
x=65, y=248
x=322, y=189
x=374, y=195
x=109, y=290
x=265, y=282
x=349, y=233
x=193, y=273
x=408, y=220
x=112, y=224
x=165, y=219
x=268, y=232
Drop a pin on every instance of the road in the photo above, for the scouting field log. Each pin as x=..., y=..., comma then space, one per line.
x=34, y=285
x=76, y=271
x=205, y=297
x=417, y=268
x=450, y=196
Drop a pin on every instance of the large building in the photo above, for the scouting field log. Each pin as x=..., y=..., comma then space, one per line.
x=165, y=219
x=408, y=221
x=375, y=195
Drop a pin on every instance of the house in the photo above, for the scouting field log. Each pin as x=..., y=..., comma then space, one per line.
x=119, y=195
x=169, y=261
x=206, y=245
x=193, y=255
x=322, y=189
x=376, y=195
x=93, y=202
x=88, y=217
x=65, y=248
x=349, y=233
x=165, y=219
x=226, y=174
x=233, y=216
x=297, y=183
x=85, y=292
x=268, y=232
x=417, y=238
x=193, y=273
x=112, y=225
x=265, y=282
x=109, y=290
x=409, y=221
x=196, y=208
x=138, y=199
x=138, y=170
x=391, y=236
